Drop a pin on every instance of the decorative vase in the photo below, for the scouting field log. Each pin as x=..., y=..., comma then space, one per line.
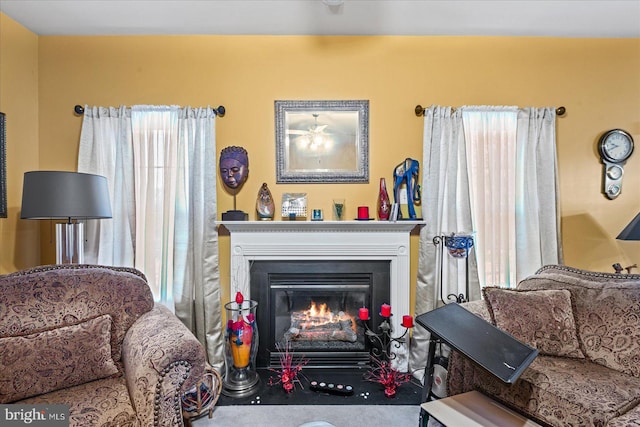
x=458, y=245
x=241, y=348
x=384, y=204
x=265, y=207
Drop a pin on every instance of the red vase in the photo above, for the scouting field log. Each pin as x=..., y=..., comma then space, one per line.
x=384, y=204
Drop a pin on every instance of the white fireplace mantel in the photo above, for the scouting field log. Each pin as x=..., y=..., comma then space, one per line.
x=325, y=240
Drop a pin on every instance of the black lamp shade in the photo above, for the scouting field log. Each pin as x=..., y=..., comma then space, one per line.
x=57, y=194
x=631, y=231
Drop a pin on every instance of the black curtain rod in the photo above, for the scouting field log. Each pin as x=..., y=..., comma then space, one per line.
x=220, y=111
x=419, y=110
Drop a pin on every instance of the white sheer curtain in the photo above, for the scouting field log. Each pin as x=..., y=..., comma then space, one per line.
x=490, y=141
x=160, y=163
x=159, y=190
x=492, y=171
x=514, y=191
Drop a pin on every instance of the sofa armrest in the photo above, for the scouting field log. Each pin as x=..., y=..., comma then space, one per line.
x=162, y=359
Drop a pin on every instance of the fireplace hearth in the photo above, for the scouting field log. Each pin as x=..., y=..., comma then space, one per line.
x=312, y=306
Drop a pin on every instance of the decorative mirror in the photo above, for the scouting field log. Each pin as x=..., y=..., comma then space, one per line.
x=322, y=141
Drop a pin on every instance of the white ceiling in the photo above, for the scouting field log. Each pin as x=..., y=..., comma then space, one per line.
x=556, y=18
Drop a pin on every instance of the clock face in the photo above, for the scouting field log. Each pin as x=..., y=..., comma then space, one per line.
x=616, y=146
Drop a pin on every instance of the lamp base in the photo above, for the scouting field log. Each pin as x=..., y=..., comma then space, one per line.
x=69, y=243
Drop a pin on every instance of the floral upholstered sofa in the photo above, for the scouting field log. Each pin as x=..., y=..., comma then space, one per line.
x=586, y=327
x=92, y=338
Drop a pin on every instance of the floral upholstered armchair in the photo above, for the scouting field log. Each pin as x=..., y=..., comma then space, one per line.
x=91, y=337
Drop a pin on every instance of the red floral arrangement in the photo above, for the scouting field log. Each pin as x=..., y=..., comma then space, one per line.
x=382, y=372
x=288, y=373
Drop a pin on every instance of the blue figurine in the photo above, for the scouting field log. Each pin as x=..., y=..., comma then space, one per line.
x=407, y=171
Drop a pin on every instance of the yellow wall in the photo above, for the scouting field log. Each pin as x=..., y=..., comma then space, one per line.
x=19, y=239
x=597, y=80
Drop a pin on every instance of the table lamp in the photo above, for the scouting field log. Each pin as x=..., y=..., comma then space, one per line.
x=66, y=195
x=631, y=231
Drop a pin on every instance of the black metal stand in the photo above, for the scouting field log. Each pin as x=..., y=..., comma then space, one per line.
x=459, y=247
x=496, y=351
x=428, y=379
x=234, y=214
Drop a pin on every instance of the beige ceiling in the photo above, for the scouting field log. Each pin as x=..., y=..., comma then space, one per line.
x=557, y=18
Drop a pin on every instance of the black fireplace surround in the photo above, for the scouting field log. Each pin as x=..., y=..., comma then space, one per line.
x=286, y=291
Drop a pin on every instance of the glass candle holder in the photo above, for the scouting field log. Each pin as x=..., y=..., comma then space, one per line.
x=338, y=209
x=240, y=349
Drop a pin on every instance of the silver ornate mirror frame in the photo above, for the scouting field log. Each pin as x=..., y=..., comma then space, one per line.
x=322, y=141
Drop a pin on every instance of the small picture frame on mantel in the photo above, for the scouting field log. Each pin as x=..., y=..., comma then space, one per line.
x=294, y=205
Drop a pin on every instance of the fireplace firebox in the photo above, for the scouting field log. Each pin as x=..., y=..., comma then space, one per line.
x=312, y=307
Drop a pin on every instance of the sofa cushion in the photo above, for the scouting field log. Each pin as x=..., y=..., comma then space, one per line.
x=51, y=360
x=48, y=297
x=103, y=403
x=543, y=319
x=607, y=312
x=558, y=391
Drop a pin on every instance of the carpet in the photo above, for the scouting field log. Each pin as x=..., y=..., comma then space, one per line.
x=365, y=392
x=296, y=416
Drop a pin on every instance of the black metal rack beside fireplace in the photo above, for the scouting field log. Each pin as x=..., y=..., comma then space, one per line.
x=313, y=305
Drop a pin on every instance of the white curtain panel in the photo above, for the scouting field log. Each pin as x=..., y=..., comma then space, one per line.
x=490, y=141
x=459, y=180
x=514, y=191
x=196, y=288
x=105, y=147
x=538, y=234
x=158, y=193
x=446, y=209
x=161, y=164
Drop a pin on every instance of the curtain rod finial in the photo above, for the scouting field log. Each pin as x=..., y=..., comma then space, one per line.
x=79, y=110
x=419, y=110
x=220, y=111
x=560, y=111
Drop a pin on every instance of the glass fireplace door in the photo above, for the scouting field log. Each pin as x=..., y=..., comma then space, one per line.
x=312, y=306
x=319, y=317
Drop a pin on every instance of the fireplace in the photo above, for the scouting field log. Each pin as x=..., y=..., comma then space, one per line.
x=313, y=307
x=332, y=242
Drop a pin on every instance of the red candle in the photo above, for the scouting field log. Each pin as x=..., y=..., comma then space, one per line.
x=363, y=313
x=385, y=310
x=407, y=321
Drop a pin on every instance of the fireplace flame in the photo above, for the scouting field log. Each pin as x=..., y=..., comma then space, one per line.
x=318, y=315
x=322, y=312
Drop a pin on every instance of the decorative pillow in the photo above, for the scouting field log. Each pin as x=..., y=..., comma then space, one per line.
x=51, y=360
x=543, y=319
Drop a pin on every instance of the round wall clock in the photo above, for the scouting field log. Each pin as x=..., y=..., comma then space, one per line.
x=615, y=147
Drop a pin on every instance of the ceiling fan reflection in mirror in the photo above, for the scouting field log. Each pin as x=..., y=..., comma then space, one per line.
x=314, y=138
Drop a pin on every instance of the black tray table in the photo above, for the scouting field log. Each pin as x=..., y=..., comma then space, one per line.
x=494, y=350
